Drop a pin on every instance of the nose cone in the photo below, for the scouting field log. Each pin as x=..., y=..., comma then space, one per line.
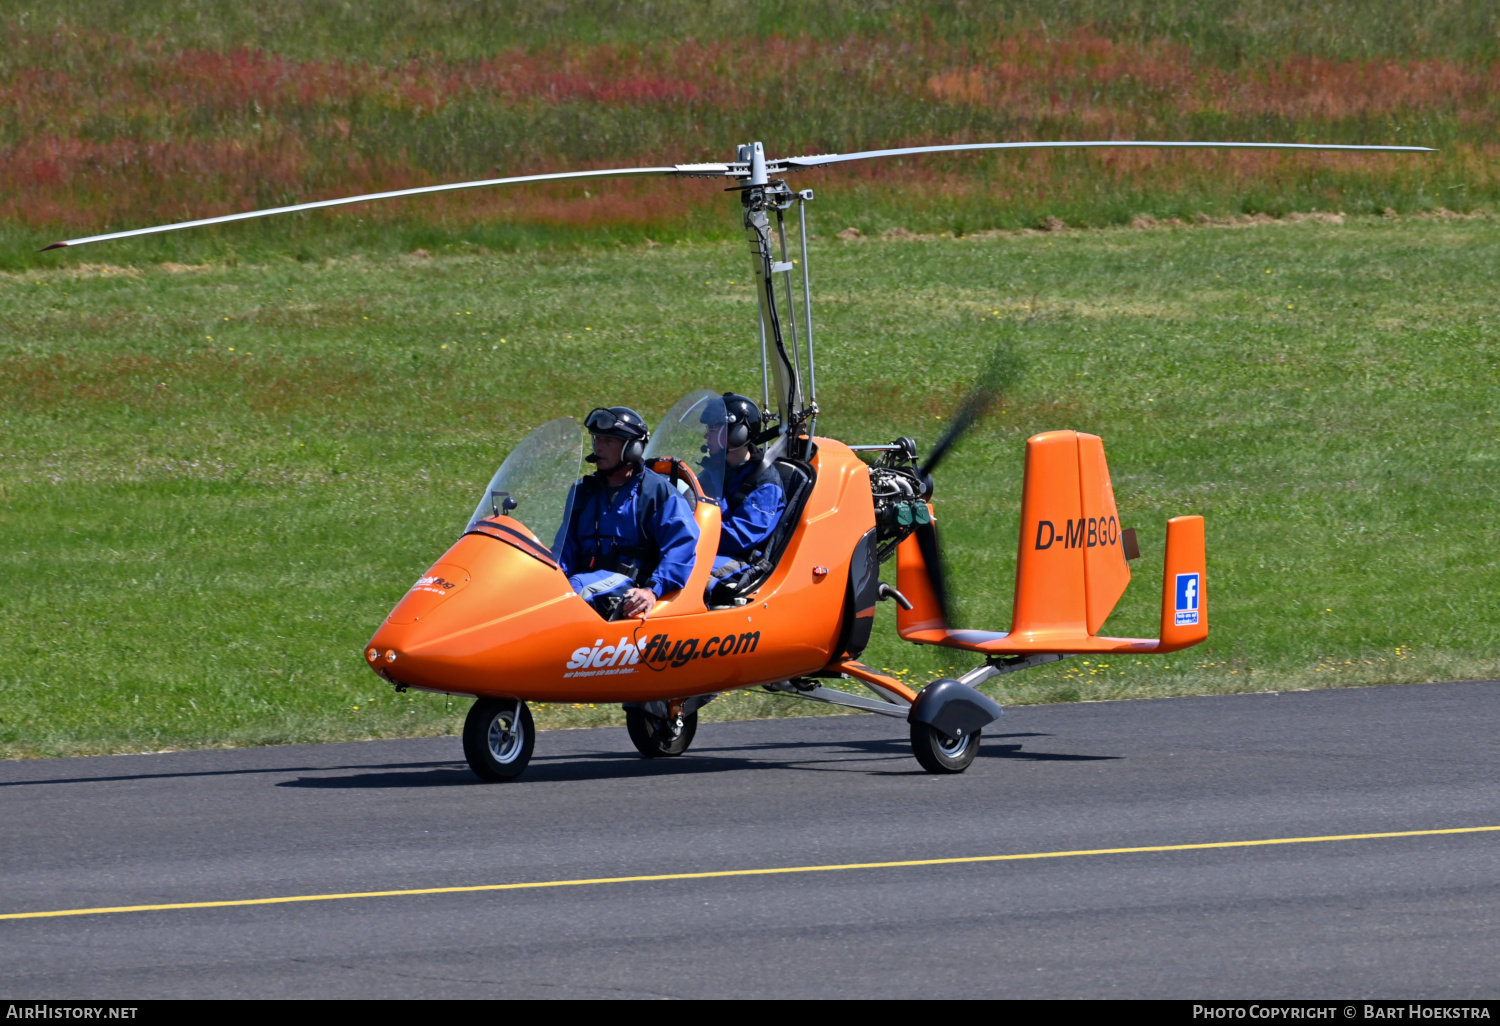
x=473, y=618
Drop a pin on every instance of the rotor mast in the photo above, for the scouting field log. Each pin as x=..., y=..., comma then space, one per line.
x=761, y=195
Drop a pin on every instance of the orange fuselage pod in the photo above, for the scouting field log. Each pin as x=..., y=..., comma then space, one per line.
x=495, y=617
x=1070, y=565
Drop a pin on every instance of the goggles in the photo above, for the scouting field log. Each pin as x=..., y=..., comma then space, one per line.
x=604, y=422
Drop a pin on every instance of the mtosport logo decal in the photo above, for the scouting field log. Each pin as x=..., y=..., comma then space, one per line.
x=434, y=584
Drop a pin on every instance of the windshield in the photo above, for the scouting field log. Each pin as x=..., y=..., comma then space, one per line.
x=532, y=484
x=692, y=431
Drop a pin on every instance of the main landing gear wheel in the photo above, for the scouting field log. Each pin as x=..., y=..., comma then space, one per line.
x=498, y=738
x=658, y=738
x=939, y=753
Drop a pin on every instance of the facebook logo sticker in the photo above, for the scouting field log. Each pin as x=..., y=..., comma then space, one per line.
x=1188, y=592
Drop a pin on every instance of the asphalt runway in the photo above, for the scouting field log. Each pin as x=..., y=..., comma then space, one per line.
x=1402, y=918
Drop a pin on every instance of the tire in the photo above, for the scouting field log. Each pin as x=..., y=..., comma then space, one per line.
x=655, y=738
x=498, y=739
x=939, y=753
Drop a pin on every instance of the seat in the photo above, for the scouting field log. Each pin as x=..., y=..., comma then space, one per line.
x=796, y=484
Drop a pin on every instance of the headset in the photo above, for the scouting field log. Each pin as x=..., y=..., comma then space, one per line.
x=740, y=417
x=619, y=422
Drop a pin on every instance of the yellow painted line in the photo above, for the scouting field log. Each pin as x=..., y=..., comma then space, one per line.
x=537, y=885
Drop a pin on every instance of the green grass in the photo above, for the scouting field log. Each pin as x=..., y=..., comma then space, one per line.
x=1229, y=30
x=214, y=483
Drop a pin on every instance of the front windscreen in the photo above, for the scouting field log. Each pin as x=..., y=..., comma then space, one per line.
x=693, y=432
x=532, y=484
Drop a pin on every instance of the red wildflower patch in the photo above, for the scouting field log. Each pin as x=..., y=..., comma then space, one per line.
x=101, y=130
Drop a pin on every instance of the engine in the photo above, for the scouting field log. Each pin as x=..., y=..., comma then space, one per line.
x=901, y=492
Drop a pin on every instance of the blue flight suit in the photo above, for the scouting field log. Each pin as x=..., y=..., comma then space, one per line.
x=606, y=526
x=748, y=522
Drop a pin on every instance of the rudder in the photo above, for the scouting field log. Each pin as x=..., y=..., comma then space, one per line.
x=1070, y=567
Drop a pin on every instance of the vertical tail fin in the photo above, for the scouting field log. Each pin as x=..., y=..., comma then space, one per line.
x=1184, y=594
x=1070, y=567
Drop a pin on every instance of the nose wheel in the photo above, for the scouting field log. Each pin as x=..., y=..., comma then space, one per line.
x=498, y=739
x=660, y=737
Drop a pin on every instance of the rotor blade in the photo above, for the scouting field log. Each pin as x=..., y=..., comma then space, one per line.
x=1003, y=369
x=684, y=170
x=798, y=163
x=736, y=169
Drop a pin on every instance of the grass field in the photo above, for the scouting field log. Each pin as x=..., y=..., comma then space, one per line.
x=121, y=114
x=215, y=480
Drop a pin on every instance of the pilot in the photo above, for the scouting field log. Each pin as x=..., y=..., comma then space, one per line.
x=751, y=497
x=629, y=535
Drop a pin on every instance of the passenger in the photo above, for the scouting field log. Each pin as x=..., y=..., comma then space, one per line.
x=751, y=496
x=629, y=536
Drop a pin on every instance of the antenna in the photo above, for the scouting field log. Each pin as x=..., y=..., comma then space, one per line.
x=803, y=199
x=785, y=267
x=765, y=370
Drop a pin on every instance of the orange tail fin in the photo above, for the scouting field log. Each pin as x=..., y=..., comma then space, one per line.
x=1184, y=586
x=1070, y=566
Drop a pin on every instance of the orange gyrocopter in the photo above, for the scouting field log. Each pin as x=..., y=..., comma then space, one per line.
x=496, y=618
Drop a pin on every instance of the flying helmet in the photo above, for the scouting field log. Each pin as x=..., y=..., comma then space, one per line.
x=740, y=415
x=620, y=422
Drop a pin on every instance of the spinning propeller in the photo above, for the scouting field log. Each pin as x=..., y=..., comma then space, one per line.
x=1002, y=371
x=754, y=170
